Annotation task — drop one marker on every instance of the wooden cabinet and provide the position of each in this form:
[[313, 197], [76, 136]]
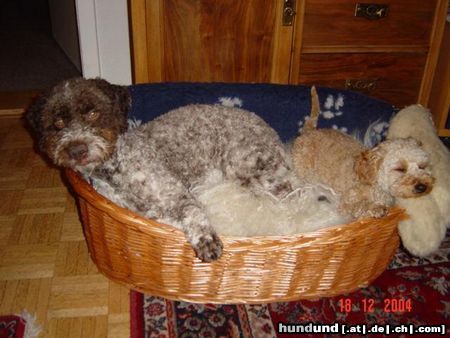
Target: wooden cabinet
[[204, 40], [387, 49], [383, 52]]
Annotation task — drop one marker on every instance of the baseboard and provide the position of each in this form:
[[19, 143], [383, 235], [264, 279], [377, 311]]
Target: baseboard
[[11, 113], [16, 100]]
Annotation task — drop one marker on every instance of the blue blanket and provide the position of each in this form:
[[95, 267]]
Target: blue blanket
[[284, 107]]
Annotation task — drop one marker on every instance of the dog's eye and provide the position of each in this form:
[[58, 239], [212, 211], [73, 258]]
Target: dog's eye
[[422, 166], [93, 115], [400, 170], [59, 123]]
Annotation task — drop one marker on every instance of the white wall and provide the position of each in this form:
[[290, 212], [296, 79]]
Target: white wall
[[104, 39], [64, 28]]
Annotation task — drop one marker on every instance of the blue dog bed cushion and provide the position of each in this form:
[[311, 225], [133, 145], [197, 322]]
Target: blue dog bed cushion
[[284, 107]]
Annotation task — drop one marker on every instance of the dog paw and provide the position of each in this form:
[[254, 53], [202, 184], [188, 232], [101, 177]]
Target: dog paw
[[208, 248]]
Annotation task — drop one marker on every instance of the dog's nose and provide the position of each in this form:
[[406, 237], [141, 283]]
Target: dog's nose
[[323, 198], [78, 151], [420, 188]]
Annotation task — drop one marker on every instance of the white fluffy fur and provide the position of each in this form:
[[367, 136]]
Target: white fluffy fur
[[429, 215], [235, 211]]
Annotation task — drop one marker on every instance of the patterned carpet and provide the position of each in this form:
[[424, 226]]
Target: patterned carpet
[[12, 327], [411, 295]]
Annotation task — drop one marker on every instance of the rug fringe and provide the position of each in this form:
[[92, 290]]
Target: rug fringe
[[32, 328]]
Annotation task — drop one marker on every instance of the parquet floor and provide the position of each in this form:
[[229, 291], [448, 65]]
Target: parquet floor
[[45, 267]]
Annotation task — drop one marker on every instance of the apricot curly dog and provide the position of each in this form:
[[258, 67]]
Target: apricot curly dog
[[366, 180]]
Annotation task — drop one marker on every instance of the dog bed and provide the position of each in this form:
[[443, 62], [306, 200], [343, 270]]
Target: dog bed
[[156, 259]]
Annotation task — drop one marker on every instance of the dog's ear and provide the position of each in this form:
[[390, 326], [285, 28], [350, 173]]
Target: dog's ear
[[118, 94], [33, 113], [367, 165]]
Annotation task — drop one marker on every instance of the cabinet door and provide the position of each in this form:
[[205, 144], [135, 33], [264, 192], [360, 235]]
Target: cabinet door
[[205, 40]]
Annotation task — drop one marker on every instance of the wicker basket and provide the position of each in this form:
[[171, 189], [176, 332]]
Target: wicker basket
[[155, 258]]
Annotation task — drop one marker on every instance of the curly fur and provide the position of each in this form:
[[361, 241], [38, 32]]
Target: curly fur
[[429, 216], [153, 168], [367, 180], [79, 112]]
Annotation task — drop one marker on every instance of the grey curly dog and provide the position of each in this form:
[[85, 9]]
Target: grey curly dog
[[152, 168]]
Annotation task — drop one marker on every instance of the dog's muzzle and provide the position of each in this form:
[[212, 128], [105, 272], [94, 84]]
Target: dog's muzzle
[[78, 151]]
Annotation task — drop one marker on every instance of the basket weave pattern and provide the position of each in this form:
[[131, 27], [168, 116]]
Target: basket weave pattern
[[155, 258]]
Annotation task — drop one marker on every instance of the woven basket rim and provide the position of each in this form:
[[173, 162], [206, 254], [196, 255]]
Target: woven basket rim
[[84, 189]]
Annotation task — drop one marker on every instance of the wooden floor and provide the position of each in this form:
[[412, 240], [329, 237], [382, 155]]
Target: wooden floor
[[45, 267]]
